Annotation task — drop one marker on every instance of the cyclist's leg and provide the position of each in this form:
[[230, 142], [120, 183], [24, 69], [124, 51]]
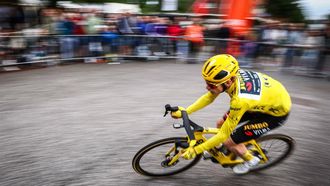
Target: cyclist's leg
[[257, 125], [238, 148], [254, 128]]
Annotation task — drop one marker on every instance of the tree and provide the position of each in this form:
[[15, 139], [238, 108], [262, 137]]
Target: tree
[[6, 2], [289, 10]]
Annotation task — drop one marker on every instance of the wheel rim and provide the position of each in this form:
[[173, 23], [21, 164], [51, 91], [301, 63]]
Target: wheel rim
[[152, 160], [275, 149]]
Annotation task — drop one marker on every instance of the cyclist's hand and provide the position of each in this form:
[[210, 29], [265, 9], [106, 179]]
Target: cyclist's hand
[[190, 152], [177, 114], [220, 122]]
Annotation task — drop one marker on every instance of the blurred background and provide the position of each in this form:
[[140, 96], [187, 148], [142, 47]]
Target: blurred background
[[83, 85], [289, 35]]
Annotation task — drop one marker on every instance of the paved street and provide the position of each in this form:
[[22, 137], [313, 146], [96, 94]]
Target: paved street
[[82, 124]]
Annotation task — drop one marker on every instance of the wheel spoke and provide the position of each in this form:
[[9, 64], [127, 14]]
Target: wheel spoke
[[152, 161], [276, 147]]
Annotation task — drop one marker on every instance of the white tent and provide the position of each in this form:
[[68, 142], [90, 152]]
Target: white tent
[[32, 2], [121, 8], [69, 4]]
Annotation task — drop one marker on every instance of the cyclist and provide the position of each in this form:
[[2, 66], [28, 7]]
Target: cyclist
[[258, 104]]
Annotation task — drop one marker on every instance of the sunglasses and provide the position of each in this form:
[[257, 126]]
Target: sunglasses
[[212, 86]]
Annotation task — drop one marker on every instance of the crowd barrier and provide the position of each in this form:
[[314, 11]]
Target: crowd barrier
[[28, 51]]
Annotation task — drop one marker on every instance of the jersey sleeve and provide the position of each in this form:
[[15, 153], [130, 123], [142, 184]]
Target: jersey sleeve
[[237, 109], [201, 102]]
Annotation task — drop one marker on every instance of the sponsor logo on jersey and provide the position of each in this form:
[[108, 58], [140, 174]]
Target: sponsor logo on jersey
[[261, 131], [248, 133], [258, 107], [256, 126], [249, 85], [235, 109]]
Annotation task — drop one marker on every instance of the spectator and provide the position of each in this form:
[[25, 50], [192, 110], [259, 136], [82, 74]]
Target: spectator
[[295, 37], [174, 30], [154, 44], [126, 26], [325, 51], [79, 29], [310, 55], [194, 34], [141, 24], [224, 33], [94, 21], [110, 38], [248, 50], [161, 30], [64, 26]]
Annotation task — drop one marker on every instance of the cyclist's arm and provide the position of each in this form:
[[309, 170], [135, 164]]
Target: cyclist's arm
[[201, 102], [235, 114]]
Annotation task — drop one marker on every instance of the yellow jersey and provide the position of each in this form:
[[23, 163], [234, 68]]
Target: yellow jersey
[[251, 92], [257, 92]]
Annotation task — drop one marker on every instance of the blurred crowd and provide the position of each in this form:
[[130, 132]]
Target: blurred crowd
[[75, 34]]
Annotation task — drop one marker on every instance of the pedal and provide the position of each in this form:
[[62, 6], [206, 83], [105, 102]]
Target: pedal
[[207, 156], [256, 154], [224, 150]]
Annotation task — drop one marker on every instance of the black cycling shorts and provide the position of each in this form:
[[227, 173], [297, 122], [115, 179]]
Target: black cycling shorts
[[253, 125]]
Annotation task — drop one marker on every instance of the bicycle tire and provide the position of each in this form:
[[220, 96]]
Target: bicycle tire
[[287, 140], [137, 164]]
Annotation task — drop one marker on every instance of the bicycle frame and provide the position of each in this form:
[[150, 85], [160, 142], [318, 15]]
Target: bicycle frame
[[228, 160], [199, 136], [223, 159]]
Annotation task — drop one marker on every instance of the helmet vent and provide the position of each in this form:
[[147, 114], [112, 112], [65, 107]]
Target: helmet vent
[[221, 75], [210, 70], [207, 64]]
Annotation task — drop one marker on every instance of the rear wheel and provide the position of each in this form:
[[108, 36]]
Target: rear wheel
[[276, 147], [151, 160]]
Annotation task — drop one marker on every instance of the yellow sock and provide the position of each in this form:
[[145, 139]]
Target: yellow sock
[[247, 156]]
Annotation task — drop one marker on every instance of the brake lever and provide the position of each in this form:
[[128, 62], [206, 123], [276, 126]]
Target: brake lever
[[167, 109], [166, 112]]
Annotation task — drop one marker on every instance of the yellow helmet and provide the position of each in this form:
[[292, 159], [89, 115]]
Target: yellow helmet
[[220, 68]]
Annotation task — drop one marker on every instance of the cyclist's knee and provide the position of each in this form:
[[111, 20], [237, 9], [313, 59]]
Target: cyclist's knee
[[220, 122]]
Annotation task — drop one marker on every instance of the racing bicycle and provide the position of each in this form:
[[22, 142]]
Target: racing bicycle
[[163, 157]]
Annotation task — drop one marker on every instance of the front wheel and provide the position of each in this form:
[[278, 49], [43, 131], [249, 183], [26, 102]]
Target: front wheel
[[276, 147], [151, 160]]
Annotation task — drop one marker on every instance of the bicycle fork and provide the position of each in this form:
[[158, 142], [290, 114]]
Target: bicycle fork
[[172, 160]]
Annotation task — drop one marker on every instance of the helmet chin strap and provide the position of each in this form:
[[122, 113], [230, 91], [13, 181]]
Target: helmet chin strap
[[224, 87]]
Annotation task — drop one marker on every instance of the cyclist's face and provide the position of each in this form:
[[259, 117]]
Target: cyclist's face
[[214, 88]]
